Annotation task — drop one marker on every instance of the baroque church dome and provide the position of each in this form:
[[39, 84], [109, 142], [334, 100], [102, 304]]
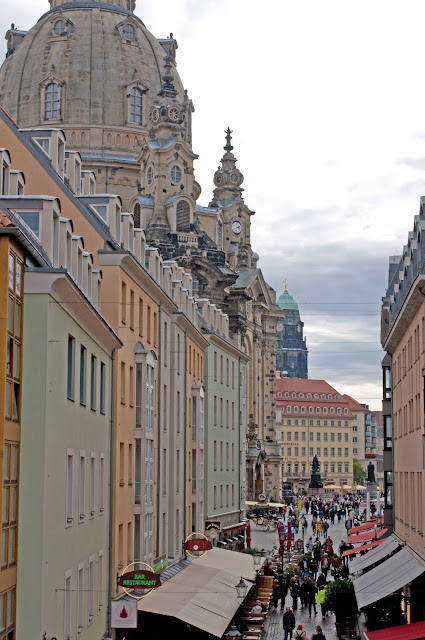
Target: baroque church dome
[[92, 69]]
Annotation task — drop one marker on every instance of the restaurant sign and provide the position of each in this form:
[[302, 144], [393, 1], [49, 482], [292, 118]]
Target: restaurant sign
[[213, 525], [197, 544], [123, 614], [139, 580]]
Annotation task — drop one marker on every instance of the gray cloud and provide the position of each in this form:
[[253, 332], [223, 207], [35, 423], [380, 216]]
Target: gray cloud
[[416, 163]]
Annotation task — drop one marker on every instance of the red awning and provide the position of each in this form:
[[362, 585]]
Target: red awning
[[367, 536], [415, 631], [366, 526], [365, 547], [235, 527]]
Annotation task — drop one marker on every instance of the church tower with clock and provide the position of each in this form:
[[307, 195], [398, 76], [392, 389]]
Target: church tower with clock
[[292, 353]]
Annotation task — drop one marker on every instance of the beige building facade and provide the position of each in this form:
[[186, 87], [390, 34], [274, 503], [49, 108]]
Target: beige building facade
[[313, 419]]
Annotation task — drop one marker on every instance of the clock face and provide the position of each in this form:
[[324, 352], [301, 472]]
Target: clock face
[[234, 177], [236, 227], [155, 115], [279, 326], [173, 113]]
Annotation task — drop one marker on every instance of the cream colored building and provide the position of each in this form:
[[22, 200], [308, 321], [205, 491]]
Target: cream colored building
[[313, 419]]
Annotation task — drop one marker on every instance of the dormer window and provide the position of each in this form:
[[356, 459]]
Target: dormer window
[[136, 104], [129, 32], [32, 220], [52, 101], [60, 28]]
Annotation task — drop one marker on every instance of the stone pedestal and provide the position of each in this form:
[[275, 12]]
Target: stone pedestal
[[371, 488], [316, 482]]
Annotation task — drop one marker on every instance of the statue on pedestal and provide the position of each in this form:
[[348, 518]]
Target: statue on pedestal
[[316, 482], [371, 473], [316, 466]]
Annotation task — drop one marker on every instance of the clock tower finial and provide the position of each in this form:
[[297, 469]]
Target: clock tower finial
[[228, 146]]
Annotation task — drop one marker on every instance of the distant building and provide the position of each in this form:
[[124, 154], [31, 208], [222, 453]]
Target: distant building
[[291, 353], [364, 432], [314, 419]]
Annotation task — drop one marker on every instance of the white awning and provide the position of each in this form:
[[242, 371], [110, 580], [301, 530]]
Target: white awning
[[388, 546], [203, 594], [238, 564], [386, 578]]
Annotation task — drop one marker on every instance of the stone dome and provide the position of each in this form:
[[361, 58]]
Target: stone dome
[[95, 53]]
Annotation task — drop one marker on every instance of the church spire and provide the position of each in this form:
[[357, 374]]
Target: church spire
[[227, 179]]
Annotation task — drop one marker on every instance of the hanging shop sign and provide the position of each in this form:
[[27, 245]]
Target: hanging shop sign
[[213, 525], [196, 545], [141, 578], [123, 614]]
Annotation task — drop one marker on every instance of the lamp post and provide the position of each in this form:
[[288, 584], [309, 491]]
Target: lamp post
[[241, 590], [282, 538], [257, 564]]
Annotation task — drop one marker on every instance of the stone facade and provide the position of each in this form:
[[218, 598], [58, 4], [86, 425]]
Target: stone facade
[[126, 112]]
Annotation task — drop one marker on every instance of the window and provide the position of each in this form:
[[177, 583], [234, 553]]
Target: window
[[388, 489], [303, 436], [346, 452], [318, 451], [346, 467], [51, 101], [183, 217], [325, 452], [339, 452], [83, 375], [131, 309], [136, 215], [332, 437], [339, 437], [332, 452], [387, 382], [13, 340], [136, 105], [69, 487], [67, 605], [311, 436], [149, 176], [101, 482], [100, 582], [92, 483], [60, 28], [129, 32], [303, 451], [176, 174], [7, 607], [80, 593], [82, 487], [388, 433], [345, 437], [318, 436], [311, 451], [102, 403], [71, 368], [93, 383], [9, 505], [339, 467], [91, 590]]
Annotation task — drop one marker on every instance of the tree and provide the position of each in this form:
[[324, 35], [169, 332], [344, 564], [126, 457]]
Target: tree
[[341, 599], [359, 472]]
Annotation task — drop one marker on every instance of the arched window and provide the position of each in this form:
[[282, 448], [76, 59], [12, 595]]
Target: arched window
[[136, 103], [129, 32], [183, 217], [52, 101], [60, 28], [136, 215]]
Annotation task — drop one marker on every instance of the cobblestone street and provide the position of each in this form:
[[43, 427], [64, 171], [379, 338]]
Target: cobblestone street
[[273, 628]]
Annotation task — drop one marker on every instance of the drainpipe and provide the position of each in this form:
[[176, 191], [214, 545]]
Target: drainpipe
[[111, 491], [158, 395]]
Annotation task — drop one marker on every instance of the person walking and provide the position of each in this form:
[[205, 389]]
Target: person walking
[[320, 599], [311, 598], [288, 622], [276, 593], [295, 590], [300, 634], [319, 635]]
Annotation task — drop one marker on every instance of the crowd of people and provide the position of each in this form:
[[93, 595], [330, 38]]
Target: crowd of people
[[318, 563]]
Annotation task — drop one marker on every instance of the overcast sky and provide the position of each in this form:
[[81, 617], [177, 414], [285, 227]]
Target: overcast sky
[[326, 102]]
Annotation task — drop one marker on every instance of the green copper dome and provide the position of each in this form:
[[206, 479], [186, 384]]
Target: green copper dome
[[286, 301]]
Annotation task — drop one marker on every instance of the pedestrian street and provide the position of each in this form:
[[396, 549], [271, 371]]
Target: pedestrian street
[[265, 540]]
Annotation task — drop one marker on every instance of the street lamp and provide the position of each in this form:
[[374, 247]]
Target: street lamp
[[257, 564], [241, 590], [233, 633]]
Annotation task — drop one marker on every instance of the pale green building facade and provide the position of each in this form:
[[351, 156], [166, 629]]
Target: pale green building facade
[[64, 508]]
